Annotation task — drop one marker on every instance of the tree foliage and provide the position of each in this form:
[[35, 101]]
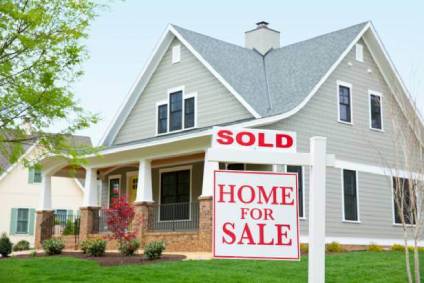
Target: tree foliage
[[41, 55]]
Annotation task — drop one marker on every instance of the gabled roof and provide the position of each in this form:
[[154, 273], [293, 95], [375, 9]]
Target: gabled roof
[[278, 81], [273, 86]]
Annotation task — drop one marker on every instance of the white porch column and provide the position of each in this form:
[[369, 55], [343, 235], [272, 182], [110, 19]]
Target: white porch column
[[46, 193], [316, 270], [90, 188], [144, 185], [208, 176]]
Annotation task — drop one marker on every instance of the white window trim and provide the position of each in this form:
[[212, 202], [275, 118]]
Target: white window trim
[[130, 174], [16, 228], [303, 189], [357, 53], [110, 177], [163, 102], [176, 54], [344, 220], [175, 169], [348, 85], [375, 93]]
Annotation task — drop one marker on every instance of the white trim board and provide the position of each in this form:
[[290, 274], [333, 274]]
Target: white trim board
[[362, 241]]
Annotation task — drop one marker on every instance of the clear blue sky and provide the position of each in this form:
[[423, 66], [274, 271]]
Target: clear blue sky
[[123, 37]]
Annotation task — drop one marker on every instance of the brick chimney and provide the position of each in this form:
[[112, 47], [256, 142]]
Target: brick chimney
[[262, 38]]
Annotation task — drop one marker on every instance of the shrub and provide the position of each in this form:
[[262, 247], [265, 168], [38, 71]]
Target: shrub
[[398, 248], [5, 245], [96, 247], [84, 245], [128, 248], [334, 247], [374, 248], [33, 254], [153, 250], [69, 227], [304, 248], [53, 246], [22, 245]]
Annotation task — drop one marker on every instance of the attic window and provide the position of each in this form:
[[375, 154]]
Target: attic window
[[359, 53], [176, 54]]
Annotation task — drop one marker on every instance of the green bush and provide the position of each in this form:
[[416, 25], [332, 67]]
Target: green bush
[[96, 247], [374, 248], [334, 247], [22, 245], [128, 248], [153, 250], [69, 228], [84, 245], [304, 248], [398, 248], [5, 245], [53, 246]]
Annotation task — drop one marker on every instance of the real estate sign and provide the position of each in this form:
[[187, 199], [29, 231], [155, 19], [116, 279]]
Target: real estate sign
[[256, 215]]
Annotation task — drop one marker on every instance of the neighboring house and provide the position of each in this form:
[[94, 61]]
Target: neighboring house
[[20, 190], [339, 85]]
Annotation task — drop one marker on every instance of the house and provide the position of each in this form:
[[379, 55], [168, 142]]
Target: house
[[340, 85], [20, 190]]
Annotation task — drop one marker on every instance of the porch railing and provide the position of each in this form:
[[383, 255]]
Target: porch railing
[[100, 222], [174, 217]]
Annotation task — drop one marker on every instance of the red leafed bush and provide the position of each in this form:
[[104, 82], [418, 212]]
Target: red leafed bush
[[119, 218]]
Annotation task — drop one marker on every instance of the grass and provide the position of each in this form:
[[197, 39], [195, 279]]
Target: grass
[[344, 267]]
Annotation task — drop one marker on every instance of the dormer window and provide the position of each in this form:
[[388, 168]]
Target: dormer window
[[177, 113]]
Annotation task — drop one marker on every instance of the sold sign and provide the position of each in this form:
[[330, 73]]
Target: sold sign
[[256, 215], [254, 139]]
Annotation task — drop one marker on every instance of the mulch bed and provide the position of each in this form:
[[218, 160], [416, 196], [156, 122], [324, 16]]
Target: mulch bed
[[111, 259]]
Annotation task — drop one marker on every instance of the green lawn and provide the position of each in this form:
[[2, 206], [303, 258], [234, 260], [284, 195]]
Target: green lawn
[[346, 267]]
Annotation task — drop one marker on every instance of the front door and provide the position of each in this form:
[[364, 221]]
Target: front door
[[132, 188]]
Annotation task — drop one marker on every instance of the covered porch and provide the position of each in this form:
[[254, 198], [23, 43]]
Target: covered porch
[[163, 180]]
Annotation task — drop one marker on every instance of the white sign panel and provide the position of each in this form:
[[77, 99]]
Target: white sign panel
[[256, 215], [254, 139]]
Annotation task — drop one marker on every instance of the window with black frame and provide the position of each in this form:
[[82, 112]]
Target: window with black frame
[[345, 114], [299, 171], [350, 196], [175, 110], [402, 189], [162, 118], [175, 195], [375, 112], [189, 112]]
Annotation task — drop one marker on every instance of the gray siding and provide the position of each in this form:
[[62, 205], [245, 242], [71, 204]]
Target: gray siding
[[215, 103], [354, 143], [357, 142]]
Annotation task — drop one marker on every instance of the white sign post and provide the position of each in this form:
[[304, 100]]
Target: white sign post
[[276, 147], [256, 215]]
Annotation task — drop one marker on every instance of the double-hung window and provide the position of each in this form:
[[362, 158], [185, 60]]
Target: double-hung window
[[345, 102], [299, 171], [178, 113], [376, 111], [34, 175], [350, 196], [22, 222], [403, 201]]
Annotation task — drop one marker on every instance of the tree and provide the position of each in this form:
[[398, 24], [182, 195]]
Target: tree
[[120, 217], [405, 166], [41, 53]]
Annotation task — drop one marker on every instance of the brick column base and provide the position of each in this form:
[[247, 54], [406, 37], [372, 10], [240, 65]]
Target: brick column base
[[44, 223], [88, 220], [205, 223], [141, 220]]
